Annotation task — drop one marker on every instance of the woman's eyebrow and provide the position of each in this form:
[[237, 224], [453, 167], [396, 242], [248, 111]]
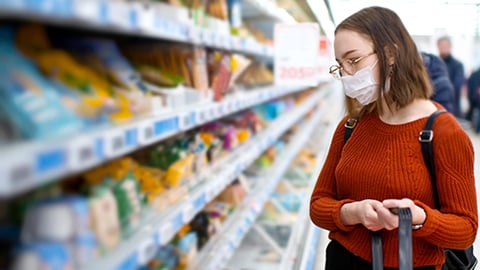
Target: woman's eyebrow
[[346, 54]]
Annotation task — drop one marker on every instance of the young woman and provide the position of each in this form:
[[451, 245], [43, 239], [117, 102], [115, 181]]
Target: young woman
[[381, 165]]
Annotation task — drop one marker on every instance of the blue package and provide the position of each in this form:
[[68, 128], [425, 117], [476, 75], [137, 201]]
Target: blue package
[[28, 99], [51, 255], [109, 53]]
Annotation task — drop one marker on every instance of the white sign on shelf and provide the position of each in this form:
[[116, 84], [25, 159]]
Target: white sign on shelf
[[296, 53]]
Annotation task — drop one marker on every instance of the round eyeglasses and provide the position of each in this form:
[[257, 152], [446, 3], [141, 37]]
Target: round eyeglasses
[[349, 66]]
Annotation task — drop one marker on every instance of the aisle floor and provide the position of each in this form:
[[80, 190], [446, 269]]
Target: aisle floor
[[476, 143]]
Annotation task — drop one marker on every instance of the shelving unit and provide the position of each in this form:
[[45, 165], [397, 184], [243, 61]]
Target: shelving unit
[[299, 251], [25, 166], [158, 230], [151, 20], [32, 164], [220, 248]]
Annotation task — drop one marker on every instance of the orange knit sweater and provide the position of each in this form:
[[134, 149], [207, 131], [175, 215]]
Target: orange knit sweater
[[382, 161]]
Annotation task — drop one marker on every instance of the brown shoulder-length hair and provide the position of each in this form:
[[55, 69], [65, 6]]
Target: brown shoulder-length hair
[[407, 75]]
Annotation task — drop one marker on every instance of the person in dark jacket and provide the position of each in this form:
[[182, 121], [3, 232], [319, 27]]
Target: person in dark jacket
[[455, 71], [473, 85], [442, 87]]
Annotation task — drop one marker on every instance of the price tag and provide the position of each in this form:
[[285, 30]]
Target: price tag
[[82, 153], [208, 37], [166, 126], [146, 21], [146, 133], [202, 115], [165, 233], [115, 143], [50, 160], [188, 213], [221, 109], [131, 137], [212, 112], [146, 251], [19, 172], [200, 202], [194, 34], [120, 14], [60, 8], [296, 53], [187, 120]]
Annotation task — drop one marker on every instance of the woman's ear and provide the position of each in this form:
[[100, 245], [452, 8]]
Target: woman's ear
[[390, 53]]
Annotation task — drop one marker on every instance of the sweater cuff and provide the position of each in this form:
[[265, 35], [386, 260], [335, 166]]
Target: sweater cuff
[[336, 216], [430, 225]]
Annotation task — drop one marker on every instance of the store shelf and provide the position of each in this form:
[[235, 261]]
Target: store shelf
[[131, 18], [289, 253], [157, 230], [221, 247], [25, 166], [266, 8], [302, 243]]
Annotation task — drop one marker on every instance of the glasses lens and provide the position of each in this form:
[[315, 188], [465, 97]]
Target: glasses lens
[[335, 71], [348, 67]]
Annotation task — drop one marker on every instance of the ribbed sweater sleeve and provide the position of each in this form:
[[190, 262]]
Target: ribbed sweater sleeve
[[324, 207], [455, 225]]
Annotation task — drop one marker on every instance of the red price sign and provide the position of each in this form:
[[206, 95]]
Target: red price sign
[[297, 73], [296, 54]]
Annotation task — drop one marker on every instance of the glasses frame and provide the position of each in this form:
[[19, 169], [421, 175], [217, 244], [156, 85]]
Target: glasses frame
[[335, 70]]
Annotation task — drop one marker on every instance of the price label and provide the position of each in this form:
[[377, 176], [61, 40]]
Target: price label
[[82, 153], [115, 143], [131, 137], [212, 112], [194, 34], [146, 251], [50, 160], [146, 21], [296, 73], [187, 120], [165, 233], [202, 116], [146, 133], [200, 202], [296, 53], [119, 14], [19, 174]]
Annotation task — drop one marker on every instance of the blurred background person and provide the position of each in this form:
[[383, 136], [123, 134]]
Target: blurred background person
[[455, 71], [443, 91]]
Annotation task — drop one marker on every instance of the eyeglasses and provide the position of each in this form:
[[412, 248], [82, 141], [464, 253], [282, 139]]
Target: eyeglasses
[[349, 66]]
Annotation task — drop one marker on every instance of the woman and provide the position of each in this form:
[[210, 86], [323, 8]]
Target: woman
[[381, 166]]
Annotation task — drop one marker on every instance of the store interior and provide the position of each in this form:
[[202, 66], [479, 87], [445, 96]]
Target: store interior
[[175, 134]]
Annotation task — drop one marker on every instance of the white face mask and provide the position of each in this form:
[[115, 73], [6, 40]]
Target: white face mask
[[361, 85]]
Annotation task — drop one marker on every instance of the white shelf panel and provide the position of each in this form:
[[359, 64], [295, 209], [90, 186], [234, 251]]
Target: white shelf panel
[[159, 229], [303, 225], [217, 253], [25, 166], [131, 18], [266, 8], [295, 250]]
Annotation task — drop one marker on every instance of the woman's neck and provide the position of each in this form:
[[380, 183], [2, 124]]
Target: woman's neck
[[417, 109]]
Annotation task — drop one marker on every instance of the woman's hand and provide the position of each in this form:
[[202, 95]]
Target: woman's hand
[[418, 214], [362, 212], [376, 215]]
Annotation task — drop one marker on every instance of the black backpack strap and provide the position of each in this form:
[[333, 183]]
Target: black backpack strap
[[349, 126], [426, 137]]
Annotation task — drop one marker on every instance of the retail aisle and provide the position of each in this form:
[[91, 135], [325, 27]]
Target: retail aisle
[[322, 244]]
